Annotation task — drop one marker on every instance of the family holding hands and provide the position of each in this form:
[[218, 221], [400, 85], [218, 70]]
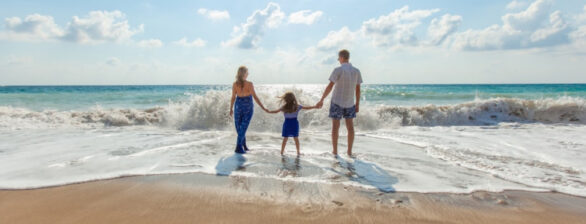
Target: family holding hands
[[345, 81]]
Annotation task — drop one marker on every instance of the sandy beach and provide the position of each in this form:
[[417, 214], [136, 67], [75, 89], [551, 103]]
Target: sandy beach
[[201, 198], [424, 112]]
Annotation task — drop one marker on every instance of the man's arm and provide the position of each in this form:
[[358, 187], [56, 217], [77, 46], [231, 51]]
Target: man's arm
[[326, 93], [357, 97]]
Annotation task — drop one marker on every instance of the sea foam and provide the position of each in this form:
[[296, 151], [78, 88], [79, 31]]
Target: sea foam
[[492, 143], [210, 112]]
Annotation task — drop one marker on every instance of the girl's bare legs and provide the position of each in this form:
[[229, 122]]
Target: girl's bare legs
[[297, 144], [283, 145]]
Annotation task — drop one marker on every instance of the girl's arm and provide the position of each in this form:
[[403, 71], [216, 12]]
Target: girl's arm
[[308, 107], [232, 99], [256, 98]]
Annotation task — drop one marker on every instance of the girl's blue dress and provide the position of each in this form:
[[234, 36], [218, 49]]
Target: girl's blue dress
[[291, 125]]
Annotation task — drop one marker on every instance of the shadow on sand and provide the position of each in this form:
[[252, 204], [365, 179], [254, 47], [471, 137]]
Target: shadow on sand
[[367, 173], [226, 165]]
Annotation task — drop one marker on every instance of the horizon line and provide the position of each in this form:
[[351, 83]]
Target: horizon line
[[530, 83]]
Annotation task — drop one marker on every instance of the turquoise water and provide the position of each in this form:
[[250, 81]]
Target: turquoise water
[[83, 97], [482, 137], [141, 97], [451, 94]]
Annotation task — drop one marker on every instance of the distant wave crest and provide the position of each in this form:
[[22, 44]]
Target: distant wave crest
[[210, 111], [490, 111]]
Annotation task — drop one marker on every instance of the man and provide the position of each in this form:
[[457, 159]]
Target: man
[[345, 80]]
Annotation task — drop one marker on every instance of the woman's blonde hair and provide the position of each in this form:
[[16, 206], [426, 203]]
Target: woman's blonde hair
[[289, 102], [242, 70]]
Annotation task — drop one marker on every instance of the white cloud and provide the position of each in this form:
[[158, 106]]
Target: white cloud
[[96, 27], [195, 43], [557, 24], [336, 40], [514, 5], [330, 60], [490, 38], [440, 29], [113, 61], [34, 27], [214, 14], [530, 19], [100, 26], [304, 17], [397, 28], [536, 26], [248, 35], [533, 27], [151, 43], [578, 36]]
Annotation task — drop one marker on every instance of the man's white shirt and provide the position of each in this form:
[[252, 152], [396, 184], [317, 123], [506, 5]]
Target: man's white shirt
[[345, 77]]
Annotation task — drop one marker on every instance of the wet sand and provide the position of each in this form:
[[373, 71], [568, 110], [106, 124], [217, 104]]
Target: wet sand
[[200, 198]]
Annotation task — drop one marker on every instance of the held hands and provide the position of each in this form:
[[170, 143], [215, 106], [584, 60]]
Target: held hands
[[319, 104], [265, 109], [271, 111]]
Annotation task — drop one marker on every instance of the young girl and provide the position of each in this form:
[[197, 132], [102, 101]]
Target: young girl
[[290, 109]]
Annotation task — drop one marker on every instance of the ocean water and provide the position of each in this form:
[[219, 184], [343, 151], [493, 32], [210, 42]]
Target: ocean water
[[420, 138]]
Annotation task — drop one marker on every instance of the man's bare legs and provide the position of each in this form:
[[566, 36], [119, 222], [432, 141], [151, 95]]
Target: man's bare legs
[[335, 131], [283, 145], [350, 128]]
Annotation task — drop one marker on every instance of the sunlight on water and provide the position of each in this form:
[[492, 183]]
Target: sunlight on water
[[423, 138]]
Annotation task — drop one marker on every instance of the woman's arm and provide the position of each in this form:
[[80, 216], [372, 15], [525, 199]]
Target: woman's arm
[[256, 98], [273, 111], [232, 99], [308, 108]]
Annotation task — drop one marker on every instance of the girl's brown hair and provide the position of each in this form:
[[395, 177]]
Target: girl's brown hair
[[289, 102], [242, 70]]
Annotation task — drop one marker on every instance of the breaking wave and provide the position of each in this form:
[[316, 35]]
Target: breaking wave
[[210, 111]]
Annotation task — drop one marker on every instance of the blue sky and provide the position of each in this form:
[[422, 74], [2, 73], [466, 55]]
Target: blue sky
[[203, 42]]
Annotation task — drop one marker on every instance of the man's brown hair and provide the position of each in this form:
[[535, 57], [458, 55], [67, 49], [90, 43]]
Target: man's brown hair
[[344, 54]]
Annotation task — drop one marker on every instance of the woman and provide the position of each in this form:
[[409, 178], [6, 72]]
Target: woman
[[242, 94]]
